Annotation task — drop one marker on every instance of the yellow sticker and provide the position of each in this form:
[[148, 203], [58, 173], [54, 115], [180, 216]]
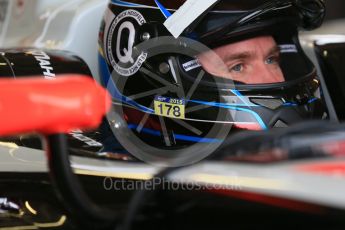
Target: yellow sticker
[[169, 107]]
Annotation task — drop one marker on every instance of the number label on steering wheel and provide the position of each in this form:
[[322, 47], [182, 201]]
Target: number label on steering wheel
[[169, 107]]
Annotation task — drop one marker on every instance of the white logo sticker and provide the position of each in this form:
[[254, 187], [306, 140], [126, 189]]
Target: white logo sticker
[[288, 48], [120, 43], [44, 62], [188, 66]]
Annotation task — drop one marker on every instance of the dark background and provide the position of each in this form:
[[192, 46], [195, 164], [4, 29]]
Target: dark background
[[335, 9]]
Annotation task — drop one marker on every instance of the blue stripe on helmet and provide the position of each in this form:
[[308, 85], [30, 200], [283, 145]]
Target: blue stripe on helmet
[[227, 106], [164, 11], [243, 99], [177, 136], [127, 4]]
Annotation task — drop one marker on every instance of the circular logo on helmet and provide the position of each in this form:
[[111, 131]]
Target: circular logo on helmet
[[120, 43]]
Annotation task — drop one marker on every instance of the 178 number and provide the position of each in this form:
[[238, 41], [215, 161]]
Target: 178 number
[[171, 110]]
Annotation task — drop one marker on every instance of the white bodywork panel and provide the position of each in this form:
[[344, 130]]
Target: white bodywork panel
[[71, 25], [283, 179]]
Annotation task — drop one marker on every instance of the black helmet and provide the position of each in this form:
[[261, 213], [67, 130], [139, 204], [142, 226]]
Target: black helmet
[[166, 96]]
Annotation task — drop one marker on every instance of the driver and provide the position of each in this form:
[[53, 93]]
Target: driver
[[262, 77]]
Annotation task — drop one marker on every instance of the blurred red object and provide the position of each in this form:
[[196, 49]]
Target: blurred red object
[[336, 169], [51, 106]]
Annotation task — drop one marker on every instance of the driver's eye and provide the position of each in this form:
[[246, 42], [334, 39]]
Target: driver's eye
[[272, 60], [237, 68]]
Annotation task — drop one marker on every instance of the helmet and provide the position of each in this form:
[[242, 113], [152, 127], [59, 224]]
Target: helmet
[[169, 99]]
